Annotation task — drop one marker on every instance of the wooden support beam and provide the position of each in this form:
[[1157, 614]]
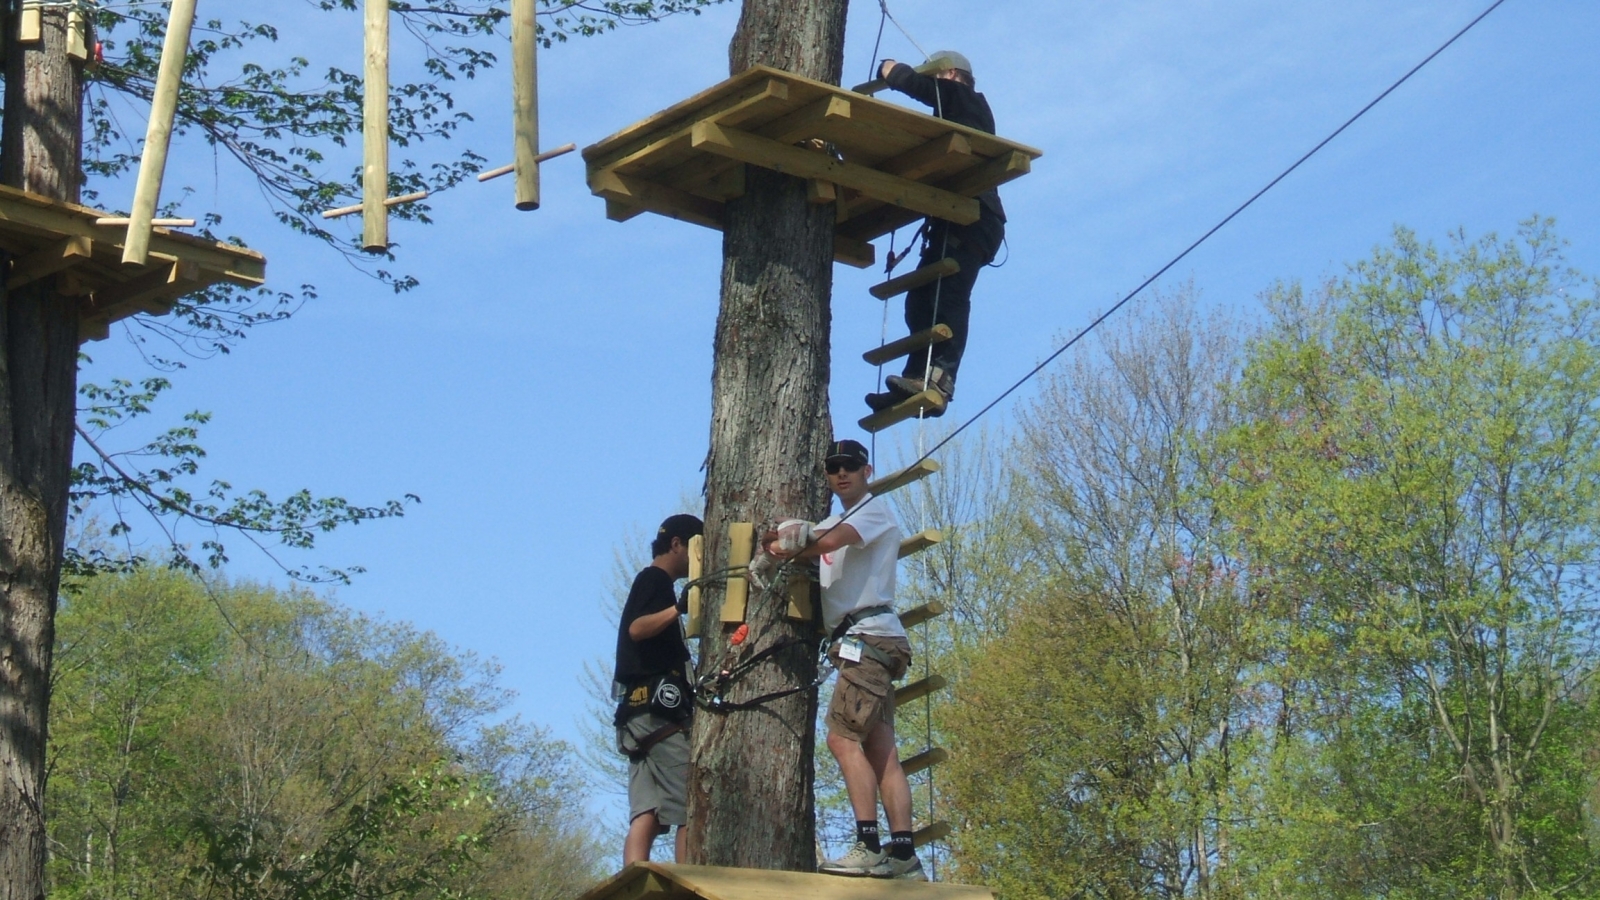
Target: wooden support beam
[[938, 156], [525, 101], [544, 157], [697, 550], [938, 831], [619, 211], [44, 262], [896, 480], [866, 223], [361, 207], [802, 163], [927, 401], [906, 345], [152, 292], [124, 221], [808, 121], [916, 690], [852, 252], [915, 278], [821, 192], [920, 541], [677, 145], [741, 545], [657, 198], [375, 130], [927, 759], [919, 614], [158, 133]]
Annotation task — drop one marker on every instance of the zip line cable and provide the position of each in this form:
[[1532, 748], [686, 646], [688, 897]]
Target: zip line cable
[[1204, 237]]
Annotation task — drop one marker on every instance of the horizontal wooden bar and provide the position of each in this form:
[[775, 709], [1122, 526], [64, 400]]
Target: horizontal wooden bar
[[915, 278], [392, 201], [726, 102], [867, 222], [906, 345], [928, 400], [657, 198], [927, 759], [920, 541], [150, 292], [916, 690], [47, 261], [160, 223], [896, 480], [941, 155], [543, 157], [938, 831], [801, 163], [919, 614]]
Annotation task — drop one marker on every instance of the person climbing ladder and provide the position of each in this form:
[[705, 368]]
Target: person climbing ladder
[[948, 300]]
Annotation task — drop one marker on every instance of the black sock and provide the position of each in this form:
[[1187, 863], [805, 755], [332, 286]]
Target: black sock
[[867, 833], [900, 845]]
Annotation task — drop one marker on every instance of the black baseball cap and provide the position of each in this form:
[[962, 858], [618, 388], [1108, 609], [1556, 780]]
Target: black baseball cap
[[681, 526], [847, 449]]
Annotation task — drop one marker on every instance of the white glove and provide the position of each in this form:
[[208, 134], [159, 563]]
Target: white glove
[[794, 535], [762, 568]]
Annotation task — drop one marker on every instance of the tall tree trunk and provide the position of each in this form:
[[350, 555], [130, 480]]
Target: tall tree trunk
[[39, 152], [750, 791]]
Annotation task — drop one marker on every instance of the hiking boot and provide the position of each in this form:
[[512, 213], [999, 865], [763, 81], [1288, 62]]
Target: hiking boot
[[903, 869], [881, 402], [858, 862], [941, 382]]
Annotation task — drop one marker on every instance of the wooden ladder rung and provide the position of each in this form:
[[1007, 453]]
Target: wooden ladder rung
[[906, 345], [920, 541], [898, 480], [916, 690], [938, 831], [917, 615], [915, 279], [925, 759], [929, 400]]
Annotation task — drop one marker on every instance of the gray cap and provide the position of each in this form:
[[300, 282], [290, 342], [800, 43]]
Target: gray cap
[[947, 59]]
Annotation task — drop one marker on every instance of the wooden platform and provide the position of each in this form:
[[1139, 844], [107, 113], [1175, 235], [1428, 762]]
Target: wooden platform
[[51, 239], [894, 165], [661, 881]]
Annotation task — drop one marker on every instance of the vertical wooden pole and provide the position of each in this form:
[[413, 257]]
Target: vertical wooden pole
[[158, 135], [525, 100], [375, 131]]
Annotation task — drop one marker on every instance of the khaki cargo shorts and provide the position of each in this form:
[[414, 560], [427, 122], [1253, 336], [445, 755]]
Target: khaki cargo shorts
[[864, 694], [658, 783]]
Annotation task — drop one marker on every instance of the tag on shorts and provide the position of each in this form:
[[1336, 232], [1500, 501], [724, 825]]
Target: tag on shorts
[[850, 650]]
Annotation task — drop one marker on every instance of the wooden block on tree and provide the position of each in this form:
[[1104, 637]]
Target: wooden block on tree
[[30, 24], [769, 154], [896, 480], [907, 345], [938, 831], [915, 279], [697, 563], [927, 401], [741, 546], [802, 595], [925, 760], [53, 258], [821, 192], [919, 614], [916, 690], [920, 541]]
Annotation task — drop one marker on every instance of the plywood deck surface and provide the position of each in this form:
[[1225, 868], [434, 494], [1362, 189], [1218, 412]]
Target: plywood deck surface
[[889, 165], [658, 881], [53, 239]]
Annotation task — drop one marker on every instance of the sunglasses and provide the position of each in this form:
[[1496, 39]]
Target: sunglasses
[[847, 465]]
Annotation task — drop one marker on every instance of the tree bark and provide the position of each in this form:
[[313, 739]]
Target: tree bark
[[39, 152], [751, 800]]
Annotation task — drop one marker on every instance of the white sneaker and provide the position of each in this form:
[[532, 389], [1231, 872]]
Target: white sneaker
[[903, 869], [858, 862]]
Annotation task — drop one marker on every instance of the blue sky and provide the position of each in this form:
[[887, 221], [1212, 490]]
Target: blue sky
[[546, 390]]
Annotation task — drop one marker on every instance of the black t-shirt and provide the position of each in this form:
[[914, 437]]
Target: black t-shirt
[[651, 593]]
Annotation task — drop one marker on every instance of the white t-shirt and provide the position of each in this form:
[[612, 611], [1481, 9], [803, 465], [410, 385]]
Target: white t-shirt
[[861, 575]]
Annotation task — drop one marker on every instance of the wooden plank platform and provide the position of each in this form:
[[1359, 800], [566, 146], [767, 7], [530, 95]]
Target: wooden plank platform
[[881, 164], [661, 881], [52, 239]]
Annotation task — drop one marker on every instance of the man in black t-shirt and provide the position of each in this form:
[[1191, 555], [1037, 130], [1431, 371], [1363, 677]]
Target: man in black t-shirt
[[953, 94], [652, 687]]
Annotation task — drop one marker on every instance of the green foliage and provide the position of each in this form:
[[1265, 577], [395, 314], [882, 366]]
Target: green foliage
[[240, 742]]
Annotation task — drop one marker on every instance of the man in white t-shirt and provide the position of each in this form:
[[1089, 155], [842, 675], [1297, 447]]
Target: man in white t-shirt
[[857, 553]]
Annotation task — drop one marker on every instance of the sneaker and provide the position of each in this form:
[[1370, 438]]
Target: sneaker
[[903, 869], [858, 862]]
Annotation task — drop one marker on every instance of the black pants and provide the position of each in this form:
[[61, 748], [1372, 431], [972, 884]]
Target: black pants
[[948, 301]]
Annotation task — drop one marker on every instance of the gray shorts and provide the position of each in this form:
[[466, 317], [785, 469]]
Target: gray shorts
[[658, 783]]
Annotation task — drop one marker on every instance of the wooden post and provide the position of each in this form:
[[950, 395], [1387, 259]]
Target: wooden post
[[375, 131], [525, 101], [158, 134]]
